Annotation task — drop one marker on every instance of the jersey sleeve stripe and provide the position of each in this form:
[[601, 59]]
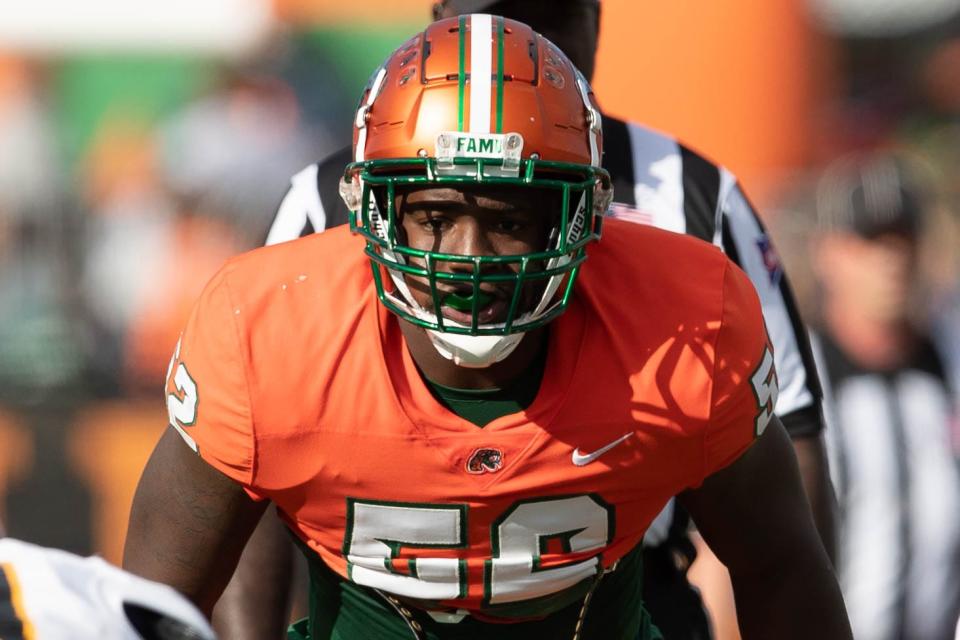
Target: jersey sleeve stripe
[[14, 624]]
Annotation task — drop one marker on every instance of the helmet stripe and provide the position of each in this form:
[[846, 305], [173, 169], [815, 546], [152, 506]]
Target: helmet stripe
[[499, 74], [462, 75], [481, 42], [361, 117]]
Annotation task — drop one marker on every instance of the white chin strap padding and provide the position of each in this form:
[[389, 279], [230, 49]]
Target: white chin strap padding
[[474, 352]]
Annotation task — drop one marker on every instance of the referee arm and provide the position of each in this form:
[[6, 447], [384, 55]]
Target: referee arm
[[805, 429], [754, 516]]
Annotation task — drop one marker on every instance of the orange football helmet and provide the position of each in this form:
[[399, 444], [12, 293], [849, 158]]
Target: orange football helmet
[[477, 99]]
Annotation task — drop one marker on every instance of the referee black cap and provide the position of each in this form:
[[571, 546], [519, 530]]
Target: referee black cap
[[498, 7], [871, 194], [572, 25]]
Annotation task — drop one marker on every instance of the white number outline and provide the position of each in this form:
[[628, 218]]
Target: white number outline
[[490, 597], [766, 389], [600, 525], [357, 572], [182, 412]]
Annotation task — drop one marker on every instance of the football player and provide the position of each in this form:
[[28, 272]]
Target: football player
[[468, 412], [48, 594], [656, 181]]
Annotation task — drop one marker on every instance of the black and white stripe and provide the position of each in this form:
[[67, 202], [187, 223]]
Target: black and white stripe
[[898, 484], [312, 203]]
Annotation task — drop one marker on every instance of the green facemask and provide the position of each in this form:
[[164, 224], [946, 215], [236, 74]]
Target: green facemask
[[584, 191]]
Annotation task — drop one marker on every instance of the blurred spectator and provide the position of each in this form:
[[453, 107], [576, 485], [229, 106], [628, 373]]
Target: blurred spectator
[[127, 239], [889, 405], [939, 143], [147, 252], [230, 154], [196, 246], [171, 203], [38, 341], [27, 162]]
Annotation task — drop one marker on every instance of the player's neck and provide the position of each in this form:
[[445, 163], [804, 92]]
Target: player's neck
[[443, 371]]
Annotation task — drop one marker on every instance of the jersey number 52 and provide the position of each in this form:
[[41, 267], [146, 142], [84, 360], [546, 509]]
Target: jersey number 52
[[765, 390], [183, 399]]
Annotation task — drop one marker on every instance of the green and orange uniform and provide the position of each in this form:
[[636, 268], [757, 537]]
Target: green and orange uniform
[[293, 380]]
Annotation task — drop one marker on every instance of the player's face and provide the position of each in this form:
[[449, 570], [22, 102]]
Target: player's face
[[472, 221]]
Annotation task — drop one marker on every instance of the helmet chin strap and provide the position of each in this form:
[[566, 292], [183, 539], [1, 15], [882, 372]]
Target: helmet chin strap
[[474, 352]]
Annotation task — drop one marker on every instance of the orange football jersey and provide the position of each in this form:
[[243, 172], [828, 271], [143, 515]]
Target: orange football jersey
[[292, 379]]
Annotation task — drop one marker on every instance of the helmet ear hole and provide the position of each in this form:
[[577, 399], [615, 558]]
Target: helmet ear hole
[[351, 192]]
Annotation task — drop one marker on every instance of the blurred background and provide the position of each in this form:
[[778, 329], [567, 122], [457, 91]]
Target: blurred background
[[141, 144]]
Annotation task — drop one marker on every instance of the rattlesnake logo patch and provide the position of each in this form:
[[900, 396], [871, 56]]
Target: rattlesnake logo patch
[[484, 460]]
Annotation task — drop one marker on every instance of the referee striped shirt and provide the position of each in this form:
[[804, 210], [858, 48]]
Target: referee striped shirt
[[898, 484]]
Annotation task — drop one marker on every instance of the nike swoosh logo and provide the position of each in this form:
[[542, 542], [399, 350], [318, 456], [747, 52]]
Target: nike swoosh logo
[[581, 459]]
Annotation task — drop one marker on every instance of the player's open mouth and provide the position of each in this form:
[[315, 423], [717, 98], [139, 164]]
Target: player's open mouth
[[458, 307]]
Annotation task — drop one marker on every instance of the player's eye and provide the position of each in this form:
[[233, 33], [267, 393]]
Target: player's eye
[[434, 223], [510, 225], [431, 223]]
